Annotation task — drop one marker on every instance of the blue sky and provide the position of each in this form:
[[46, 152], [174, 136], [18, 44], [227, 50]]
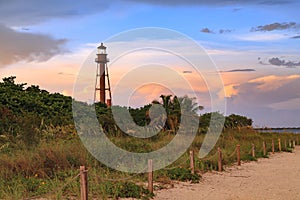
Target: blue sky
[[255, 45]]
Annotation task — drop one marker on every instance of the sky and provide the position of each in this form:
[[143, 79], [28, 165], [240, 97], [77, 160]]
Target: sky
[[253, 45]]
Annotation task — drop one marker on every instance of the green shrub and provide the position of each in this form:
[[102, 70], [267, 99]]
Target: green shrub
[[182, 174], [125, 190]]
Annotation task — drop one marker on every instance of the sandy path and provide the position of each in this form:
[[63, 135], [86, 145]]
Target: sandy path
[[275, 178]]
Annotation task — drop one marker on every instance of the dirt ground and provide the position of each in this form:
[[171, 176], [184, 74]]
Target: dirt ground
[[276, 178]]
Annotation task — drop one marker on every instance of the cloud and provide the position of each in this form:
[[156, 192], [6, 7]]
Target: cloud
[[295, 37], [187, 72], [265, 98], [214, 2], [267, 90], [18, 12], [221, 31], [276, 26], [272, 82], [28, 47], [206, 30], [231, 90], [239, 70], [278, 62]]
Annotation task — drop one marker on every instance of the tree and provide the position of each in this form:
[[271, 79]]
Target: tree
[[235, 121], [210, 120]]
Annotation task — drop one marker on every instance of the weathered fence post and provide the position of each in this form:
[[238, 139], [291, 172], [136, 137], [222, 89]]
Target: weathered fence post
[[238, 152], [253, 150], [290, 143], [220, 159], [83, 183], [150, 175], [192, 162], [264, 148], [273, 147], [279, 144]]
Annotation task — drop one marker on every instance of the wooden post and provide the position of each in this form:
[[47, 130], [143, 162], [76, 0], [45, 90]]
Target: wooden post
[[192, 162], [238, 152], [273, 148], [290, 144], [253, 150], [83, 183], [264, 148], [279, 144], [150, 175], [220, 159]]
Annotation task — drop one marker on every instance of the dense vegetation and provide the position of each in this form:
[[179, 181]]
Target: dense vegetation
[[40, 150], [27, 114]]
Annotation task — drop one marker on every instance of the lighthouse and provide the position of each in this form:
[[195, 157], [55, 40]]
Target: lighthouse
[[102, 86]]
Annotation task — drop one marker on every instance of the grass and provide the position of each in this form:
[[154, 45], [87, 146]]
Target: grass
[[27, 172]]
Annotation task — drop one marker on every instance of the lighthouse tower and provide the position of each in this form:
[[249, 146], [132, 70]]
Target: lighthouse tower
[[102, 86]]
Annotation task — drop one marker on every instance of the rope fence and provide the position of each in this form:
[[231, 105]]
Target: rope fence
[[83, 171]]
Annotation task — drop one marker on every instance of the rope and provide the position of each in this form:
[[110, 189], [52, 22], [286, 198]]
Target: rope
[[262, 149], [232, 154], [122, 179], [209, 158], [57, 189], [169, 168]]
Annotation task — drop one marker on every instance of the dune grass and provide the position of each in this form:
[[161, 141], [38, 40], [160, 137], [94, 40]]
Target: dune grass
[[52, 165]]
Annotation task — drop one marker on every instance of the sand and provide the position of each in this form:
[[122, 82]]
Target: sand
[[274, 178]]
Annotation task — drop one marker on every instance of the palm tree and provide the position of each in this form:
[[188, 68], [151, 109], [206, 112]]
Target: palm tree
[[176, 107]]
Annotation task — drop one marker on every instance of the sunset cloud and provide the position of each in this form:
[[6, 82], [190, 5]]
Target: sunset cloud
[[27, 47], [231, 90], [238, 70], [272, 82], [147, 93], [267, 96], [280, 62]]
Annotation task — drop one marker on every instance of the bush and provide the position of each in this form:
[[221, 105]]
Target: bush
[[125, 190], [182, 174]]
